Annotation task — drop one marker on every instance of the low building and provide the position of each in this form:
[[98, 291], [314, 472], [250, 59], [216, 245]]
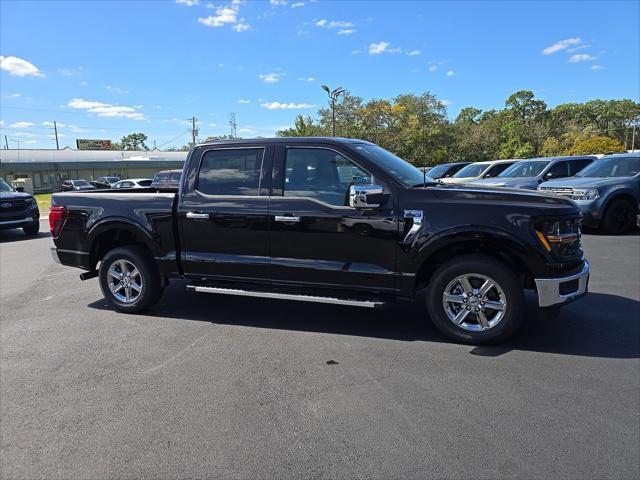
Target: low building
[[48, 168]]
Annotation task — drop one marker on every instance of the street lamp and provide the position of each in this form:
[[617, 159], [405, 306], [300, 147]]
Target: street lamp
[[333, 96]]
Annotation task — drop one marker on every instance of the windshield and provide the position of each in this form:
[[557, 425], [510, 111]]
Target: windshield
[[402, 171], [5, 187], [144, 183], [612, 167], [81, 183], [439, 170], [471, 170], [525, 169], [113, 179]]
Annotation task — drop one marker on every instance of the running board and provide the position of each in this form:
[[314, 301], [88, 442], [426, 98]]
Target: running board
[[286, 296]]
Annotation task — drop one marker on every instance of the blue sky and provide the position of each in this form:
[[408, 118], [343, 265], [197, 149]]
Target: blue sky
[[105, 69]]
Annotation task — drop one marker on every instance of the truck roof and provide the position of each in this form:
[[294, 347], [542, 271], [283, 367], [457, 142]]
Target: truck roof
[[289, 140]]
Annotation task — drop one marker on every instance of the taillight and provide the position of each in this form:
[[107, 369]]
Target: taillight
[[57, 218]]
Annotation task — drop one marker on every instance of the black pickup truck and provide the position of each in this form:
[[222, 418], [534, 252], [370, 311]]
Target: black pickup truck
[[328, 220]]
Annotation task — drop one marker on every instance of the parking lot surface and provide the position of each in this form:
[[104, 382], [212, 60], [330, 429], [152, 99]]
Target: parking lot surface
[[212, 386]]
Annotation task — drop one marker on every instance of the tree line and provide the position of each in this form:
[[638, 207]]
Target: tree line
[[417, 128]]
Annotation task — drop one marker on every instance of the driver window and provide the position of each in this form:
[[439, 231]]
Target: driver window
[[558, 170], [321, 174]]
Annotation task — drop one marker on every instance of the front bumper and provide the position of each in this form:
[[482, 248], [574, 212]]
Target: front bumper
[[17, 222], [561, 290]]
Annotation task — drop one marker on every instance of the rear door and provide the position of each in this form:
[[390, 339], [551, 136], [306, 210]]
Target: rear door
[[223, 214], [317, 239]]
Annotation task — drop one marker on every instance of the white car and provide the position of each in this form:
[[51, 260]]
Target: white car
[[133, 183], [479, 170]]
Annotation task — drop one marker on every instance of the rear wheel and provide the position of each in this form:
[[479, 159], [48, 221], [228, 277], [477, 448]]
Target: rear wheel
[[619, 217], [475, 299], [33, 229], [129, 279]]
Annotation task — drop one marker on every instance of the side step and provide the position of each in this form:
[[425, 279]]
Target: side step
[[287, 296]]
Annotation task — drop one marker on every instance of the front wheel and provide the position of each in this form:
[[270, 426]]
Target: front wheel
[[33, 229], [129, 279], [475, 299], [619, 217]]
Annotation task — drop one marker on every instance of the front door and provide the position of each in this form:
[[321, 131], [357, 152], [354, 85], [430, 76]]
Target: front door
[[223, 215], [317, 239]]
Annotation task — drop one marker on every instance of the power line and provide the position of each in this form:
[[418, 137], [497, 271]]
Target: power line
[[173, 139]]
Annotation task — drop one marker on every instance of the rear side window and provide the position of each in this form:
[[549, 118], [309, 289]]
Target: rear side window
[[497, 170], [576, 165], [144, 183], [558, 170], [231, 172]]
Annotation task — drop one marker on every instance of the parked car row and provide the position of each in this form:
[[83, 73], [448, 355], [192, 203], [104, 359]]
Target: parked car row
[[163, 180], [607, 190]]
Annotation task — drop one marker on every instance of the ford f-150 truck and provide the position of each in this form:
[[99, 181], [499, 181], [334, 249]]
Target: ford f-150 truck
[[328, 220]]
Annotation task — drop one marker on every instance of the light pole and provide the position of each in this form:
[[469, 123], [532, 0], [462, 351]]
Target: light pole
[[333, 96]]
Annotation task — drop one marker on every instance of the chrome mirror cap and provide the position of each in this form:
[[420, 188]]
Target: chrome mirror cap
[[358, 195]]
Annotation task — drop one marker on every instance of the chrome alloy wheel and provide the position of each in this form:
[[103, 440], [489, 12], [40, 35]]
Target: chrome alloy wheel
[[125, 281], [474, 302]]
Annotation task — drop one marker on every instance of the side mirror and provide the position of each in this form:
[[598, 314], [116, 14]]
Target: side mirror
[[19, 189], [366, 196]]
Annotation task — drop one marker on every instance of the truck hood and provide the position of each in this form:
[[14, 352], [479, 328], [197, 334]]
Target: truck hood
[[14, 196], [511, 197], [577, 182], [530, 183]]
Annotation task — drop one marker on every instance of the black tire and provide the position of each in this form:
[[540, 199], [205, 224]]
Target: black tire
[[32, 230], [501, 275], [619, 217], [149, 279]]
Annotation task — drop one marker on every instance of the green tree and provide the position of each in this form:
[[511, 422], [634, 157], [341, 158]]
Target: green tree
[[303, 127], [133, 141], [597, 144]]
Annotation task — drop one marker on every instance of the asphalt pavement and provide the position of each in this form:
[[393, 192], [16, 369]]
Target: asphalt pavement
[[209, 386]]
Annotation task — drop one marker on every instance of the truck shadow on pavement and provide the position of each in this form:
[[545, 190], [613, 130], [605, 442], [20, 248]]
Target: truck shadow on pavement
[[17, 235], [600, 325]]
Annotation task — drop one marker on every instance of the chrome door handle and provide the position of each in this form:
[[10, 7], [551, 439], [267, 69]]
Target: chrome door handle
[[287, 219], [198, 215]]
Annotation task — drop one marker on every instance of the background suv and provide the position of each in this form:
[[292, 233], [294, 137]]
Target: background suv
[[607, 192], [479, 170], [18, 210], [531, 173]]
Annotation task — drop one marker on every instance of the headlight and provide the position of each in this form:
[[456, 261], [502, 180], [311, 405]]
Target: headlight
[[559, 236], [33, 203], [585, 194]]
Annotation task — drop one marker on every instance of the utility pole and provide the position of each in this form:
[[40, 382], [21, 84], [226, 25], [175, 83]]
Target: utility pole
[[154, 144], [6, 143], [633, 138], [55, 129], [194, 130], [232, 124]]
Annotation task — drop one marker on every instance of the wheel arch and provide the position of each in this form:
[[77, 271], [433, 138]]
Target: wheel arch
[[114, 233], [503, 248]]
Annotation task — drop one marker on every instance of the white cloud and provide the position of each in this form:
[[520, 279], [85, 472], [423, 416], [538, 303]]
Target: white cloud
[[581, 57], [580, 47], [356, 52], [450, 73], [105, 109], [270, 77], [413, 53], [242, 100], [24, 134], [12, 95], [22, 125], [306, 79], [277, 3], [226, 15], [286, 106], [212, 124], [297, 5], [382, 47], [433, 68], [344, 28], [29, 142], [596, 67], [446, 103], [561, 45], [83, 83], [70, 72], [50, 124], [188, 3], [111, 88], [414, 70], [241, 27], [19, 67]]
